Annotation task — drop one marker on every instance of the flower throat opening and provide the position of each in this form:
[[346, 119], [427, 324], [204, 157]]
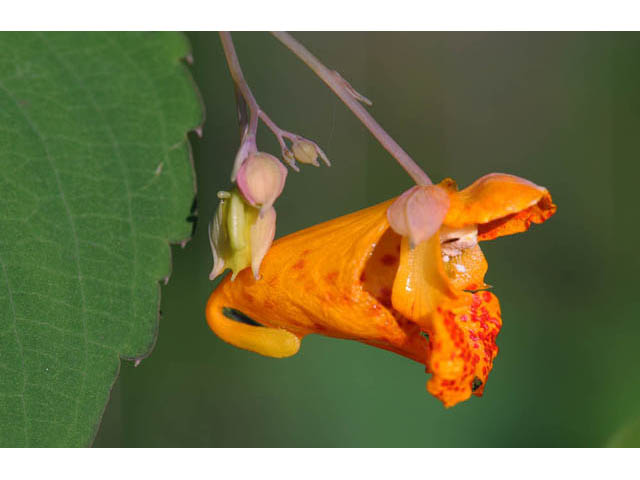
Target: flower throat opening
[[462, 259]]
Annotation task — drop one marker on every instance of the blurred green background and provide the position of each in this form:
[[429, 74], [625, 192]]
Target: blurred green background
[[561, 109]]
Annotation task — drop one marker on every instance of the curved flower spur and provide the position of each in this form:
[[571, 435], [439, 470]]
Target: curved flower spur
[[406, 275]]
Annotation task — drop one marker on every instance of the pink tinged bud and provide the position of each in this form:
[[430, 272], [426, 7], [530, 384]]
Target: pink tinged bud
[[262, 233], [419, 212], [261, 179]]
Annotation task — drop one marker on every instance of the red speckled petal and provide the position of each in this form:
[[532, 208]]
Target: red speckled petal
[[463, 346]]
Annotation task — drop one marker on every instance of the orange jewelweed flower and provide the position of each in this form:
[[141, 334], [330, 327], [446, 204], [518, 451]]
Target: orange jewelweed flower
[[419, 293]]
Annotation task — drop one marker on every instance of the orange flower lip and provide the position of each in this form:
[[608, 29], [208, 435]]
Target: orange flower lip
[[354, 277], [500, 204]]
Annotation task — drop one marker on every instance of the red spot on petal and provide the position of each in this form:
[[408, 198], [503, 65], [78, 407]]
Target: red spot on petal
[[385, 297], [389, 260]]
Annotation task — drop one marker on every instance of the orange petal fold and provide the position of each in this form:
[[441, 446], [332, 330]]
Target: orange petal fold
[[500, 204]]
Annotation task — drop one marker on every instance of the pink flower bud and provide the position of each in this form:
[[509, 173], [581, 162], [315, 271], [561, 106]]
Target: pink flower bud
[[419, 212], [261, 179]]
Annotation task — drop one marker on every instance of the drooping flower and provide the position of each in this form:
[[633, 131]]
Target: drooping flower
[[406, 275]]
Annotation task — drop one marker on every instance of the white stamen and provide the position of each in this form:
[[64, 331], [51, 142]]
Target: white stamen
[[454, 241]]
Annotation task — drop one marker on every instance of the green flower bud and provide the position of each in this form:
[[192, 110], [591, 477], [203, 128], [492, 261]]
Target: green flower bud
[[239, 234]]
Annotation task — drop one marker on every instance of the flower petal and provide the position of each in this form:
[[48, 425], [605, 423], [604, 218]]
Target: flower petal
[[218, 239], [466, 271], [500, 204], [463, 347], [421, 283]]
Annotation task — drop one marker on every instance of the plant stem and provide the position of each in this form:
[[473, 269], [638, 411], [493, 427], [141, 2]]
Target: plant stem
[[238, 79], [249, 129], [282, 134], [351, 98]]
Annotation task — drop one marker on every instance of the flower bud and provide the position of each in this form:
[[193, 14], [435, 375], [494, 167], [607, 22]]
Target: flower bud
[[419, 212], [305, 152], [240, 235], [261, 179]]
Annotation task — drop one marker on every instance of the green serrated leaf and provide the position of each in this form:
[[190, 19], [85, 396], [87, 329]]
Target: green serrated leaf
[[95, 181]]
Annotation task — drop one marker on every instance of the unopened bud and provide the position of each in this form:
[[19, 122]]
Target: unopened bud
[[419, 212], [261, 179], [305, 152]]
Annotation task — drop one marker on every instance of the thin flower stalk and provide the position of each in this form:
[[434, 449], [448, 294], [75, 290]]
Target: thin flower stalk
[[248, 101], [352, 99]]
